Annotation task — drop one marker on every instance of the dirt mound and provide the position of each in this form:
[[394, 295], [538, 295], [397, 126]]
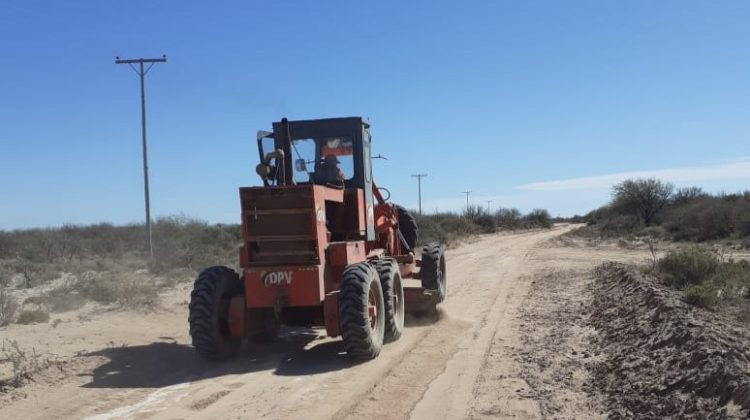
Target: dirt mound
[[663, 357]]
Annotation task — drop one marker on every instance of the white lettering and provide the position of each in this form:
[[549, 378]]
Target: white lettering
[[277, 278]]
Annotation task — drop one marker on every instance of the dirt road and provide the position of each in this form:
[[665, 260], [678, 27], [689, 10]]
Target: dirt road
[[476, 361]]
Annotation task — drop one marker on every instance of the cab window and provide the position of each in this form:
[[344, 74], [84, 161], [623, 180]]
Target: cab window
[[342, 149]]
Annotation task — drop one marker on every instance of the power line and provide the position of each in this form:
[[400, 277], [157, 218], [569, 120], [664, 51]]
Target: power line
[[142, 74], [419, 186]]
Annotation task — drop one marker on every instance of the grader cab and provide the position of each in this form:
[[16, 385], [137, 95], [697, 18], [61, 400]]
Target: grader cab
[[322, 247]]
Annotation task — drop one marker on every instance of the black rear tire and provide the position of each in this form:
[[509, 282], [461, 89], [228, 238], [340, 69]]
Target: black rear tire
[[360, 287], [433, 269], [209, 310], [407, 224], [393, 298]]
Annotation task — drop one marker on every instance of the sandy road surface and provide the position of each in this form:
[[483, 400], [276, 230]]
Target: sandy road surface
[[466, 365]]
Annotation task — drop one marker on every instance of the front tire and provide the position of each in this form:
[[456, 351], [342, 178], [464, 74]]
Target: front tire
[[393, 298], [361, 311], [433, 269], [209, 310], [407, 224]]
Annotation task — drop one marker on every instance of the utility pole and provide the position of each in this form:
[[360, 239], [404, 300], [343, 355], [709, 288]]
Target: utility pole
[[142, 73], [419, 186], [467, 198], [488, 206]]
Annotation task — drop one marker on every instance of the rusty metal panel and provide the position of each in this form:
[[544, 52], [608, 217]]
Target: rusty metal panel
[[236, 318], [280, 287], [342, 254], [279, 226]]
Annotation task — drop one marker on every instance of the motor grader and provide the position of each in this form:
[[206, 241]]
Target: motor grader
[[321, 247]]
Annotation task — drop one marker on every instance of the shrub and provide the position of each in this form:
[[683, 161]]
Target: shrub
[[138, 293], [486, 223], [620, 225], [34, 273], [473, 212], [444, 227], [654, 233], [180, 242], [6, 275], [688, 215], [688, 194], [33, 316], [35, 300], [99, 287], [124, 288], [707, 219], [538, 218], [64, 299], [508, 218], [429, 230], [703, 295], [688, 265], [8, 307], [732, 279], [24, 364]]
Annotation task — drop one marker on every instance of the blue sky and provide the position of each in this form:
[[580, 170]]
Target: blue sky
[[528, 104]]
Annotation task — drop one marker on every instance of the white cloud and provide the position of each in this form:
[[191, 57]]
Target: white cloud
[[730, 170]]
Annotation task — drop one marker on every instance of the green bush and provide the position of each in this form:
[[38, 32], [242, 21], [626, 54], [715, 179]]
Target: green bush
[[449, 227], [444, 227], [688, 265], [703, 295], [706, 219], [732, 279], [687, 215]]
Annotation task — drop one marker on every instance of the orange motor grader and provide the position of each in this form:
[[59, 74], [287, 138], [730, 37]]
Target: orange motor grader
[[322, 246]]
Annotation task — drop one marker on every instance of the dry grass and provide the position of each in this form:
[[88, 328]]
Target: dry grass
[[65, 268], [23, 364], [33, 316], [8, 308]]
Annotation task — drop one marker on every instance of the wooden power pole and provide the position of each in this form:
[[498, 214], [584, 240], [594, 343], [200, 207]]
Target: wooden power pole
[[142, 73]]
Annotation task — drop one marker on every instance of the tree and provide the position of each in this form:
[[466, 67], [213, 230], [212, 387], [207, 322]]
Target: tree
[[688, 194], [539, 218], [644, 198]]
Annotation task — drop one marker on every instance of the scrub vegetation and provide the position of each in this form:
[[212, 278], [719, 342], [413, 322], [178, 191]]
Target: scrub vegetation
[[450, 227], [62, 269], [650, 207]]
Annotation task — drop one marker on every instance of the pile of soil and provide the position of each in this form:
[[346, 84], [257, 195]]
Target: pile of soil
[[664, 358]]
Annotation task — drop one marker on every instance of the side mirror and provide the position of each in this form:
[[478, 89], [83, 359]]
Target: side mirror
[[263, 170], [300, 165]]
